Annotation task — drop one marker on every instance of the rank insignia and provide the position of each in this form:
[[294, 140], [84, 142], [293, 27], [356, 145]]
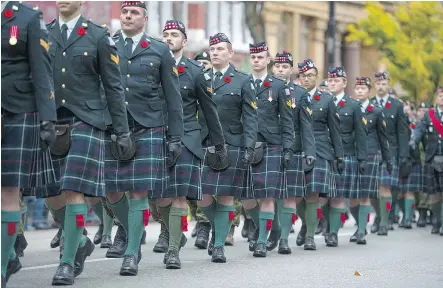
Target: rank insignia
[[174, 69], [51, 96], [309, 111], [115, 59], [254, 105], [209, 89], [364, 120], [289, 103], [44, 44]]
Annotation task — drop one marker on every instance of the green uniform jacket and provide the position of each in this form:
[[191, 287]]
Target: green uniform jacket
[[433, 143], [377, 138]]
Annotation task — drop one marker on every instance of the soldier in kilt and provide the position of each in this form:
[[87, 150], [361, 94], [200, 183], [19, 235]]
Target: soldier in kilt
[[360, 204], [274, 145], [27, 118], [185, 181], [236, 107], [431, 128], [355, 140], [397, 132], [327, 148]]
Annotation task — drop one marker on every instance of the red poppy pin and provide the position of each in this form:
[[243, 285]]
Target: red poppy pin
[[266, 84], [8, 13], [144, 44], [341, 103], [227, 79], [388, 105], [180, 69], [369, 108], [412, 126], [81, 31], [317, 97]]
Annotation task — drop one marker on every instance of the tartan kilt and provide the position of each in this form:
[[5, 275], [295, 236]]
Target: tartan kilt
[[347, 183], [433, 180], [414, 182], [24, 164], [235, 181], [146, 171], [268, 175], [389, 179], [369, 181], [321, 178], [184, 178], [295, 178]]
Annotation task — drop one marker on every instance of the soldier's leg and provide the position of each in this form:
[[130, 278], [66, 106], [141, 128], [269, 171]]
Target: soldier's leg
[[354, 207], [252, 209], [409, 202], [20, 242], [288, 214], [97, 207], [312, 217], [224, 217], [336, 218], [301, 212], [391, 217], [422, 207], [399, 206], [118, 204], [238, 209], [266, 215], [193, 207], [363, 219], [436, 207], [204, 228], [385, 201], [275, 234]]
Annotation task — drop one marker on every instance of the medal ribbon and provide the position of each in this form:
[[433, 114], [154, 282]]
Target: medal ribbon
[[436, 122], [13, 31]]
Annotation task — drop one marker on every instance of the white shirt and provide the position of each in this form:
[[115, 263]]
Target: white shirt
[[365, 104], [4, 3], [135, 39], [339, 97], [223, 71], [385, 99], [177, 60], [261, 78], [71, 24], [312, 92]]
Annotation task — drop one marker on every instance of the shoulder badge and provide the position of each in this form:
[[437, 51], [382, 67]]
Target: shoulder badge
[[364, 121], [309, 111], [254, 105]]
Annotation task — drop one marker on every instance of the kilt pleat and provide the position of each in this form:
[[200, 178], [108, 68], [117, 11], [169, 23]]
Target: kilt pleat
[[369, 181], [433, 180], [347, 183], [321, 178], [414, 182], [268, 175], [146, 172], [184, 178], [235, 181], [24, 164], [389, 179], [295, 179]]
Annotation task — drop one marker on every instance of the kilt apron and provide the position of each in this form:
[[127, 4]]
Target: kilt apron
[[433, 180], [347, 183], [369, 181], [322, 178], [295, 178], [389, 179], [414, 182]]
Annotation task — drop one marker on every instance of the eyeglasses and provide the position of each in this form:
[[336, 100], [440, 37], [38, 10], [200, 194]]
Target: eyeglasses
[[308, 76]]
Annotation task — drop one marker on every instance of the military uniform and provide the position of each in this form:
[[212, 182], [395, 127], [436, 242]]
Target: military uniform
[[27, 99]]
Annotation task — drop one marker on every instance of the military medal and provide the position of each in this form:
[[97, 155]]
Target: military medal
[[270, 96], [13, 33], [293, 103]]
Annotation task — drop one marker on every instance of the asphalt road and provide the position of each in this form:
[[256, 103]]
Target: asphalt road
[[406, 258]]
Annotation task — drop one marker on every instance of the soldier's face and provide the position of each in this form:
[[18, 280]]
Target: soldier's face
[[440, 99], [206, 63], [308, 79], [323, 88], [221, 54], [132, 20], [282, 71], [259, 61], [361, 92], [68, 7], [175, 39], [382, 87], [421, 113], [336, 85]]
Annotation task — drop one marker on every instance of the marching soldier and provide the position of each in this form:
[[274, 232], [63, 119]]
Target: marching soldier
[[274, 146], [360, 206], [397, 131], [83, 55], [431, 128], [28, 116], [354, 138], [146, 65], [321, 179], [236, 106], [185, 175]]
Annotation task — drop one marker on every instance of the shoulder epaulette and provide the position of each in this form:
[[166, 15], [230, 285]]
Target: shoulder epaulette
[[195, 63], [243, 73], [34, 8], [104, 28], [51, 23], [277, 79], [156, 39]]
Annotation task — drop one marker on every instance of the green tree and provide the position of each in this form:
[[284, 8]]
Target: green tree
[[410, 41]]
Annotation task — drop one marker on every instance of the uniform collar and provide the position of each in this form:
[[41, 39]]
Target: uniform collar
[[385, 99], [339, 97], [365, 104], [71, 23], [135, 39], [4, 4], [312, 92], [223, 71], [261, 78], [177, 60]]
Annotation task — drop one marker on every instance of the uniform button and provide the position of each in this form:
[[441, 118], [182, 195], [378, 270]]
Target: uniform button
[[129, 62], [86, 53], [64, 53], [63, 85], [256, 97], [150, 64], [126, 103], [127, 89], [346, 113], [184, 87], [63, 70], [439, 141], [63, 101], [128, 75], [215, 94], [232, 93], [321, 109]]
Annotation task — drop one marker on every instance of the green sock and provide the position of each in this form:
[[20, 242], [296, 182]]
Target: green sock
[[335, 219], [165, 212], [176, 226], [253, 213], [363, 213], [286, 215], [74, 224], [223, 223], [10, 225], [436, 210], [276, 225], [408, 208], [355, 211], [376, 204], [138, 217], [301, 211], [311, 218], [264, 218], [108, 222], [209, 212], [98, 210], [385, 203], [325, 212], [58, 215], [121, 211]]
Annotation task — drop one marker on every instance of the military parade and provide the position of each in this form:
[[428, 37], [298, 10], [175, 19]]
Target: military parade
[[130, 126]]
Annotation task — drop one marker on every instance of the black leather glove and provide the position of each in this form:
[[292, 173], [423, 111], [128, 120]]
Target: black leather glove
[[361, 167], [47, 135], [309, 163], [221, 151], [174, 150], [287, 158], [125, 145], [389, 167], [340, 166], [248, 156], [405, 167]]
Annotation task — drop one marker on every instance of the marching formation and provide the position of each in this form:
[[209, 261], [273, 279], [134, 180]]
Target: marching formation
[[129, 125]]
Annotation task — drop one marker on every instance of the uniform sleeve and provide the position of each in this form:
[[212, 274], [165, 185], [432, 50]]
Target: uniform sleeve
[[334, 129], [361, 133], [307, 131], [286, 118], [420, 130], [110, 77], [402, 133], [41, 68], [209, 109], [249, 116], [171, 91], [383, 137]]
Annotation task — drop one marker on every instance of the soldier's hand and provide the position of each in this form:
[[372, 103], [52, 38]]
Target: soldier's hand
[[340, 165], [310, 162], [412, 144], [47, 134], [287, 158], [174, 150], [221, 151], [389, 167], [248, 156], [361, 167], [126, 145]]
